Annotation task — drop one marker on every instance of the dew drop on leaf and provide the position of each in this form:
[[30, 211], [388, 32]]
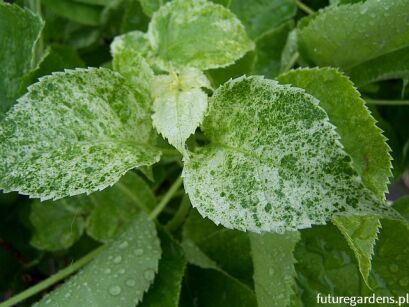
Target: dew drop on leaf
[[115, 290], [139, 252], [123, 245], [117, 259], [130, 283], [394, 268], [149, 274]]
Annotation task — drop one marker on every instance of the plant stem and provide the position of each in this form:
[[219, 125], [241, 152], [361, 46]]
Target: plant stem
[[387, 102], [304, 7], [53, 279], [180, 215], [166, 198], [292, 62]]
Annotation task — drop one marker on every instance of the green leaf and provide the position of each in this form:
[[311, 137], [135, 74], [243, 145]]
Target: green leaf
[[165, 291], [196, 257], [290, 52], [128, 61], [347, 35], [197, 34], [230, 249], [74, 132], [179, 105], [119, 276], [82, 13], [294, 174], [269, 50], [133, 17], [362, 140], [394, 65], [243, 66], [391, 260], [105, 214], [260, 17], [213, 288], [56, 58], [97, 2], [346, 110], [361, 234], [58, 225], [274, 271], [326, 265], [151, 6], [117, 206], [19, 32], [402, 206]]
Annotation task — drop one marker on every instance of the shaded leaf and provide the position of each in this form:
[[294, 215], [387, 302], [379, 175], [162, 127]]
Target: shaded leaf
[[74, 132], [56, 58], [165, 291], [119, 276], [117, 206], [58, 225], [19, 32], [230, 249], [76, 11], [294, 174], [274, 271], [213, 288], [394, 65], [269, 50], [197, 34], [260, 17]]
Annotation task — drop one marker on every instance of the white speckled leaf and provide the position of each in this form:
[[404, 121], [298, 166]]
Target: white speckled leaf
[[19, 31], [179, 105], [74, 132], [129, 61], [201, 34], [119, 276], [274, 272], [275, 162], [362, 140]]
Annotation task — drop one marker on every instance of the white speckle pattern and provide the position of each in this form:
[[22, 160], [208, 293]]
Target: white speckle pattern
[[74, 132], [274, 163]]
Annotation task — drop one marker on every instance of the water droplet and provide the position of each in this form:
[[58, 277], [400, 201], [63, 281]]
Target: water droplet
[[271, 272], [67, 295], [121, 271], [130, 283], [404, 282], [138, 252], [117, 259], [107, 271], [48, 301], [394, 268], [115, 290], [149, 275], [123, 245]]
